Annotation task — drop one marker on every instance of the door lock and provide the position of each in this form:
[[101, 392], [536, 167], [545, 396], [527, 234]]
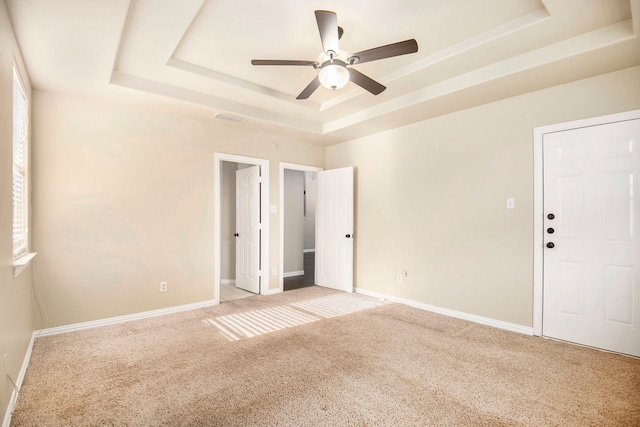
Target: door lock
[[550, 245]]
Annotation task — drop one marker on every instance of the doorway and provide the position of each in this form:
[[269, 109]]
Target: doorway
[[224, 239], [297, 231], [586, 269]]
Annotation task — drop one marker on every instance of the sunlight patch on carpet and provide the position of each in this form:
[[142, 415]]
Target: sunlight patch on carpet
[[258, 322], [337, 305], [253, 323]]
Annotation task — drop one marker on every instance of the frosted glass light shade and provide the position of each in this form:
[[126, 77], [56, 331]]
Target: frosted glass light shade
[[333, 76]]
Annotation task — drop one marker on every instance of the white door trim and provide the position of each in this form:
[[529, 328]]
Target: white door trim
[[218, 158], [296, 167], [538, 199]]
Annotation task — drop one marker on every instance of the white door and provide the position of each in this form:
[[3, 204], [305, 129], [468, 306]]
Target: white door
[[248, 229], [334, 229], [591, 290]]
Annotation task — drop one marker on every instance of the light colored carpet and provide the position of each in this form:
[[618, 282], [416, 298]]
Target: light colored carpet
[[382, 365]]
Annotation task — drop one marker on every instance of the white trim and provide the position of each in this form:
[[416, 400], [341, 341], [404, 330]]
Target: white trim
[[296, 167], [538, 199], [228, 281], [21, 263], [218, 158], [122, 319], [272, 291], [23, 370], [513, 327], [293, 273], [306, 251]]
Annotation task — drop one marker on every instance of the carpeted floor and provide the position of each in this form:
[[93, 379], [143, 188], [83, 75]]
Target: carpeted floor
[[381, 365]]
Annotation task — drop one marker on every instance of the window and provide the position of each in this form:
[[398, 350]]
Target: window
[[20, 138]]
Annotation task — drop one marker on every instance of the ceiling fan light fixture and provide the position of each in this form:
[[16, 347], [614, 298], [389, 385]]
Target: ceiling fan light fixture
[[334, 75], [335, 65]]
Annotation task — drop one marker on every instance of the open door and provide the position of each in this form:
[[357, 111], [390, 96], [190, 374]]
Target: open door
[[334, 229], [248, 229]]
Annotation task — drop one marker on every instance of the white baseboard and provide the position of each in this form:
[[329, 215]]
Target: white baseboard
[[228, 282], [23, 370], [122, 319], [513, 327], [293, 273], [308, 250]]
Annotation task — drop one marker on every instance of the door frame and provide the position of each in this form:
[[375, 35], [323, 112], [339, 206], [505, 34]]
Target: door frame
[[538, 199], [296, 167], [218, 158]]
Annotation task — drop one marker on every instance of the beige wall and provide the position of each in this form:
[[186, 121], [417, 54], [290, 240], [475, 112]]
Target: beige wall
[[124, 199], [16, 308], [431, 198], [310, 189], [293, 221], [228, 221]]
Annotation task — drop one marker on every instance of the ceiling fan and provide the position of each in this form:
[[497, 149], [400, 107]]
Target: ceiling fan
[[335, 65]]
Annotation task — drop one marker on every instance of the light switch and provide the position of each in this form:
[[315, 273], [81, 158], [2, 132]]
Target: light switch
[[511, 203]]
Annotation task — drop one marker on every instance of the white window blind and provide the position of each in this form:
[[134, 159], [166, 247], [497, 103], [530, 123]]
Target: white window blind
[[20, 118]]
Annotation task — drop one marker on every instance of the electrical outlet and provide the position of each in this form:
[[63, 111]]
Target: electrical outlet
[[163, 286], [274, 271], [400, 276]]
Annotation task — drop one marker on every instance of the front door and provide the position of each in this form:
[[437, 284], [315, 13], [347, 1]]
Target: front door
[[248, 229], [591, 289], [334, 229]]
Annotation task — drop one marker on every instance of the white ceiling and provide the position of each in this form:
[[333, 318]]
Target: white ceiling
[[192, 57]]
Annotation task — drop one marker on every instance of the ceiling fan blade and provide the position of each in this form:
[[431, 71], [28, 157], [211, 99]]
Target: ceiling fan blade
[[306, 93], [387, 51], [282, 62], [328, 27], [365, 82]]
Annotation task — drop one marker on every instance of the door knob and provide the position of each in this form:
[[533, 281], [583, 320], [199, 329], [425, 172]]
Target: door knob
[[550, 245], [550, 230], [348, 236], [236, 234], [551, 216]]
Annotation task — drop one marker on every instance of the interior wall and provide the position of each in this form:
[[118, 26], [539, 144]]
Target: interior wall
[[16, 306], [228, 222], [123, 199], [311, 192], [293, 222], [431, 198]]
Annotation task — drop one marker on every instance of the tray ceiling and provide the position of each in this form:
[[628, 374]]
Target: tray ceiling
[[192, 57]]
